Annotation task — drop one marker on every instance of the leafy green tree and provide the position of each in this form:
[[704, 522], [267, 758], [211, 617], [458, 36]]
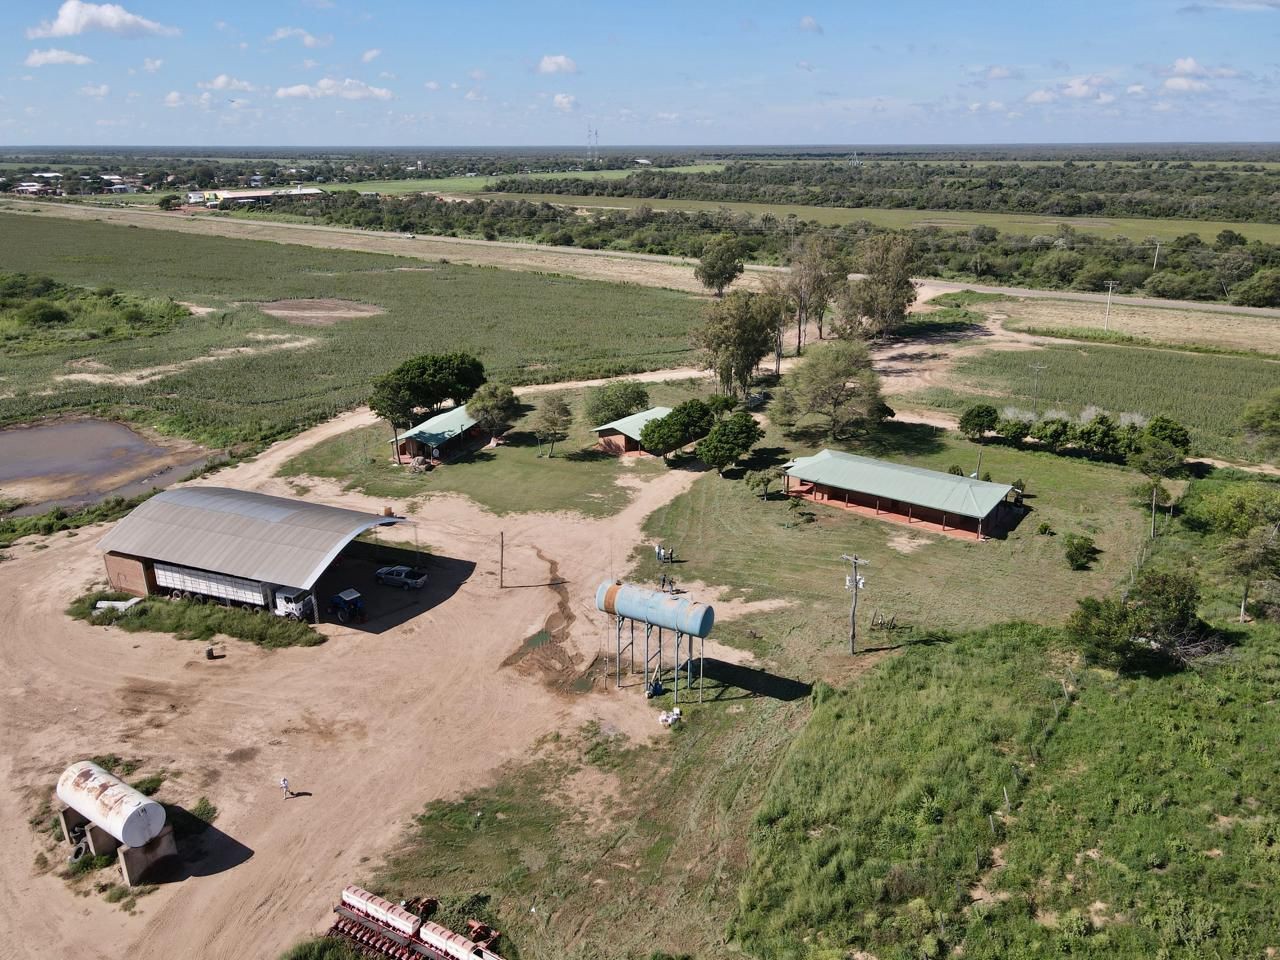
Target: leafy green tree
[[720, 404], [616, 400], [1157, 620], [1169, 431], [169, 201], [552, 422], [1261, 422], [734, 338], [816, 275], [694, 418], [1260, 290], [494, 406], [877, 302], [728, 440], [1253, 556], [760, 481], [1053, 432], [836, 382], [1156, 459], [1235, 508], [662, 435], [1014, 429], [1099, 435], [776, 309], [720, 264], [977, 420]]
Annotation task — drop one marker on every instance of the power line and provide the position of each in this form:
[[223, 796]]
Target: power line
[[1111, 285], [853, 583]]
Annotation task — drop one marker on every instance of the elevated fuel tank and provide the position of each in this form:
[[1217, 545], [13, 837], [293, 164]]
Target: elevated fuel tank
[[655, 607], [112, 804]]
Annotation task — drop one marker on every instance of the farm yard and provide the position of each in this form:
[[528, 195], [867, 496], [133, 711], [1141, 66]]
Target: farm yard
[[939, 791]]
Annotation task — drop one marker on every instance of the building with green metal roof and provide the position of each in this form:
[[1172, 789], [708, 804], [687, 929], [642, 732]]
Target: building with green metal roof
[[897, 491], [439, 437], [623, 435]]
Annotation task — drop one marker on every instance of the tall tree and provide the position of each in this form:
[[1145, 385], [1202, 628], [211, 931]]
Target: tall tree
[[728, 440], [551, 425], [877, 302], [616, 400], [1155, 460], [836, 382], [816, 276], [776, 307], [734, 338], [978, 420], [392, 399], [1255, 555], [494, 407], [721, 263]]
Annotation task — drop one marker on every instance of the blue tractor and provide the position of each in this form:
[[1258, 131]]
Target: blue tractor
[[348, 606]]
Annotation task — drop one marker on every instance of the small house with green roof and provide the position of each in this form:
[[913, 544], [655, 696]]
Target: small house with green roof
[[622, 436], [442, 437], [942, 502]]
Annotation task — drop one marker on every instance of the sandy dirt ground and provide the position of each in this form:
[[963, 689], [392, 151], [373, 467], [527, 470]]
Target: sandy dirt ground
[[263, 343], [318, 313], [370, 726]]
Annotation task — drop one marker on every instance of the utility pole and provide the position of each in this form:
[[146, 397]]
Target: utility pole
[[1155, 263], [853, 583], [502, 551], [1111, 285]]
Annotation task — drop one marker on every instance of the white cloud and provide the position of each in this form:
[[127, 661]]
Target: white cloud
[[309, 64], [1185, 84], [309, 40], [224, 82], [998, 72], [1187, 67], [75, 18], [991, 106], [478, 75], [173, 99], [99, 90], [810, 24], [557, 63], [151, 65], [565, 102], [347, 89], [55, 57], [1041, 96], [432, 85], [475, 96], [1105, 98], [370, 55], [1136, 90], [1082, 88]]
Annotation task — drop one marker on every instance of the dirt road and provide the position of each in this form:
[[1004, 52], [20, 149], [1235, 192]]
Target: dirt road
[[370, 726], [645, 269]]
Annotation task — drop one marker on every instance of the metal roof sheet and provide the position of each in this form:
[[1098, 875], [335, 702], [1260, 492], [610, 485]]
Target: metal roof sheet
[[963, 496], [441, 427], [632, 425], [240, 533]]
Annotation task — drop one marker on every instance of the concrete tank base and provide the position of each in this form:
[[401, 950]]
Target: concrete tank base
[[136, 862]]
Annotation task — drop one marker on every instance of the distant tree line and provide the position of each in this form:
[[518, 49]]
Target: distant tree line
[[1227, 266], [1066, 189]]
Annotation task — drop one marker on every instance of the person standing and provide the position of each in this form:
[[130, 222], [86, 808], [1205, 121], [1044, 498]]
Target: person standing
[[284, 786]]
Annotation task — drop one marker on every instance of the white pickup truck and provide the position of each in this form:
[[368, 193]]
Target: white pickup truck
[[402, 576]]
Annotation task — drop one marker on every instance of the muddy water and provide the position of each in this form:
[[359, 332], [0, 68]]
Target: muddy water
[[80, 462]]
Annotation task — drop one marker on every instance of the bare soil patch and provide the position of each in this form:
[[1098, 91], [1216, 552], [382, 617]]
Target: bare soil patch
[[318, 313], [196, 309], [1186, 326], [262, 343]]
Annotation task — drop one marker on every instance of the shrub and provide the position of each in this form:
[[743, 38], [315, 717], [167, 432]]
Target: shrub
[[1013, 429], [1170, 431], [978, 420], [187, 620], [1080, 551], [616, 400], [955, 470], [1045, 529], [1157, 620]]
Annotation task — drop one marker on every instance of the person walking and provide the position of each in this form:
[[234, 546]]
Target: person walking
[[284, 786]]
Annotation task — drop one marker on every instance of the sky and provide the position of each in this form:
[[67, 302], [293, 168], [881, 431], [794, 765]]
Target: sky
[[699, 72]]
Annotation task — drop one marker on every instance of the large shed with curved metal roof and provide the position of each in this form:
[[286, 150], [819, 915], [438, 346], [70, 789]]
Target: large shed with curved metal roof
[[243, 540]]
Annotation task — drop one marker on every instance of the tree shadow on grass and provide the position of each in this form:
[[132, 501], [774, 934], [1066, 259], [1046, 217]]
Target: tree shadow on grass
[[588, 455], [900, 639], [762, 458]]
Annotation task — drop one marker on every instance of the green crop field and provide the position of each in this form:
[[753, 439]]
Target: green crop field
[[481, 184], [1206, 392], [1133, 227], [525, 327]]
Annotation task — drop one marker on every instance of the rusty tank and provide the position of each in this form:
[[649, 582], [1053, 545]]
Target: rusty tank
[[653, 606], [110, 803]]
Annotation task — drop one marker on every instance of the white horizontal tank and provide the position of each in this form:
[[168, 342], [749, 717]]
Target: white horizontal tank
[[110, 803]]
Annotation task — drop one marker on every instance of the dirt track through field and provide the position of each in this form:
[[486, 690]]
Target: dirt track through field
[[652, 270]]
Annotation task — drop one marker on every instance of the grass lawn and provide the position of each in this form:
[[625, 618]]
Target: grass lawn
[[1118, 379], [511, 478], [730, 536], [526, 327]]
